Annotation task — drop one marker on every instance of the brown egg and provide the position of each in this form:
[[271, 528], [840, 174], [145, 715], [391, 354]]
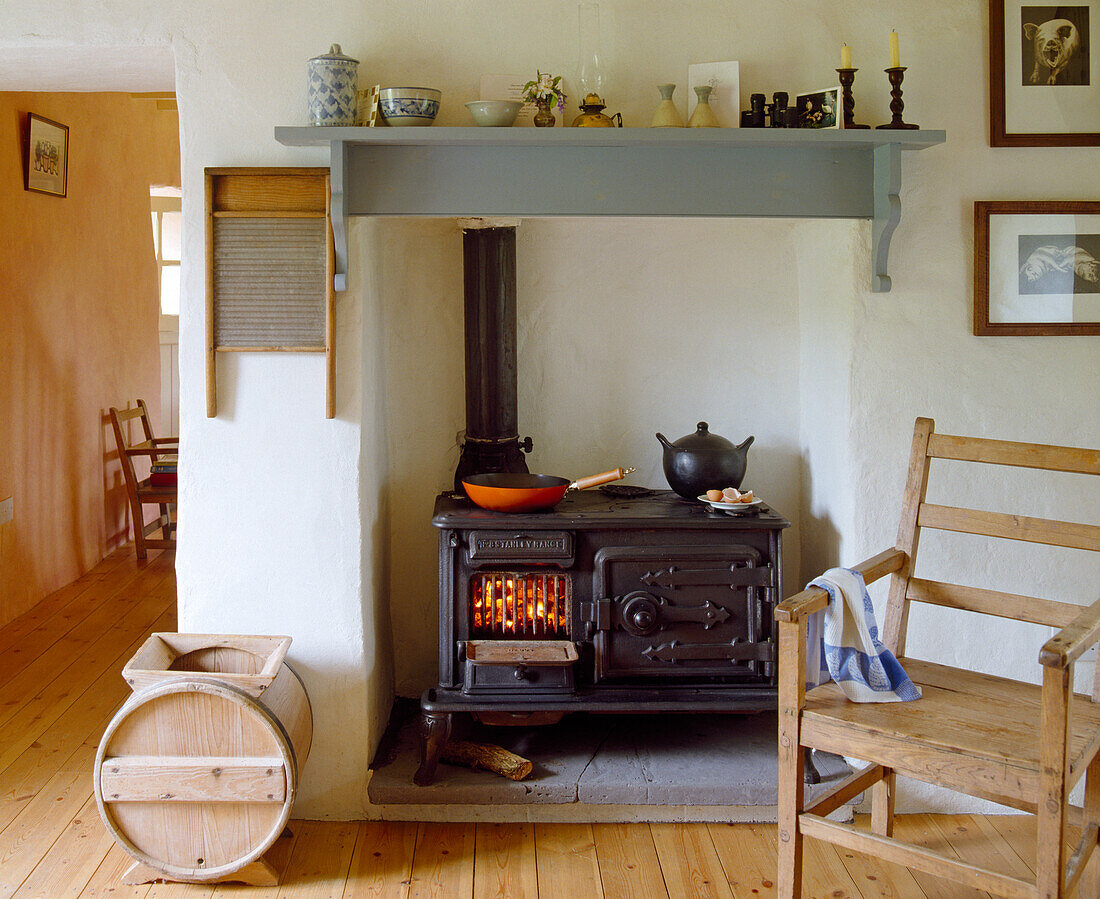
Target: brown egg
[[715, 496], [731, 495], [746, 497]]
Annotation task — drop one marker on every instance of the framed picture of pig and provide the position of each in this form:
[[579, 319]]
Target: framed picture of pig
[[1044, 75], [1036, 268]]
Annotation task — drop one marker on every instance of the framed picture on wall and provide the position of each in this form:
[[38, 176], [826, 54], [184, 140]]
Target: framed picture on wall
[[1037, 268], [46, 161], [1044, 74]]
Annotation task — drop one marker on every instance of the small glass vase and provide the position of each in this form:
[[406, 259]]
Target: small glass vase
[[544, 118], [703, 116]]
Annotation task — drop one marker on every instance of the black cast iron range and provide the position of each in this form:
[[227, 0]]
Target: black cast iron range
[[602, 604]]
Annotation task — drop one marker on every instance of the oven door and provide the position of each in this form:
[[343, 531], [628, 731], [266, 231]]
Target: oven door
[[681, 612]]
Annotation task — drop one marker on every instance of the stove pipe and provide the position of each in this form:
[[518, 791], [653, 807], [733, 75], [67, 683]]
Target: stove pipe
[[489, 284]]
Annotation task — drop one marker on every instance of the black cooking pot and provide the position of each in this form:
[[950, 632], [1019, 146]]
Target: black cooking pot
[[703, 461]]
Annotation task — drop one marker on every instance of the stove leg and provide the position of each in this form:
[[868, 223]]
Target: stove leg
[[810, 775], [435, 731]]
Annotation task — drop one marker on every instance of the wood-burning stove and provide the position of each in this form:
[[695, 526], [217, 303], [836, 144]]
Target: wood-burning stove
[[651, 604]]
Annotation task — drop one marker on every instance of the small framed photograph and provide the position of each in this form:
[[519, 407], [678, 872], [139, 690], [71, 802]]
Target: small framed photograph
[[46, 162], [366, 107], [1044, 83], [1037, 268], [724, 79], [819, 109]]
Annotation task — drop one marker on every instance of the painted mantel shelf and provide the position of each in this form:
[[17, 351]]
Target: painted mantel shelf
[[716, 172]]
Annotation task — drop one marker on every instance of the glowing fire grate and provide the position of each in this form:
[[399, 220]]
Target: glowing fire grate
[[506, 604]]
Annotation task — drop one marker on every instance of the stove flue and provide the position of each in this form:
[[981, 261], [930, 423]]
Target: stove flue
[[492, 441]]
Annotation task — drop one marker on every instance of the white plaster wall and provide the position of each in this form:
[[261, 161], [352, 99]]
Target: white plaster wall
[[291, 523]]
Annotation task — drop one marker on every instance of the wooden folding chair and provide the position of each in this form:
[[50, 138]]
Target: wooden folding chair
[[1015, 743], [141, 492]]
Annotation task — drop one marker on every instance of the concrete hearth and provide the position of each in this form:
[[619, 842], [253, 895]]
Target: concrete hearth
[[604, 767]]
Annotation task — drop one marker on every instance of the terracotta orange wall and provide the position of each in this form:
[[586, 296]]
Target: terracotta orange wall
[[78, 331]]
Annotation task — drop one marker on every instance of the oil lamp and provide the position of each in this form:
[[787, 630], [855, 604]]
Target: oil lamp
[[591, 72]]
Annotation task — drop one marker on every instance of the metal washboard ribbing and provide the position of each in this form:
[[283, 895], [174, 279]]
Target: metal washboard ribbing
[[269, 268]]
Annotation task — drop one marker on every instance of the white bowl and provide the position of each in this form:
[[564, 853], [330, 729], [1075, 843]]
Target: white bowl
[[408, 105], [494, 113]]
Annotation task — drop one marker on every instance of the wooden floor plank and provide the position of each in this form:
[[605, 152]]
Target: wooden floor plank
[[443, 862], [689, 862], [381, 867], [873, 877], [84, 720], [748, 856], [629, 867], [320, 861], [71, 861], [565, 856], [38, 713], [44, 653], [106, 882], [32, 833], [15, 636], [824, 872], [923, 830], [504, 862]]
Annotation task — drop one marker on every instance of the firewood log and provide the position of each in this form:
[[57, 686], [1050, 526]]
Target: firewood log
[[488, 757]]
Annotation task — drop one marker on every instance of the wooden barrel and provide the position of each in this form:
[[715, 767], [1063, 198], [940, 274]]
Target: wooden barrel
[[197, 772]]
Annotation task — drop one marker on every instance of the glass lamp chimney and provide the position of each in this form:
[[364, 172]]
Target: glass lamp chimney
[[591, 75]]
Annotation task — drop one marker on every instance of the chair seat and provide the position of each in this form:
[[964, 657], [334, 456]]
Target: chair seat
[[151, 493], [967, 727]]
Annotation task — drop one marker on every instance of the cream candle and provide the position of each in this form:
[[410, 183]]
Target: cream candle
[[845, 56], [895, 55]]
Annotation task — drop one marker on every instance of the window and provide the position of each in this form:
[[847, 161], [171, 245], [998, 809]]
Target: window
[[165, 204]]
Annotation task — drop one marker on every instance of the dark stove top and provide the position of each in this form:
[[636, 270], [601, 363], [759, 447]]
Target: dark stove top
[[592, 509]]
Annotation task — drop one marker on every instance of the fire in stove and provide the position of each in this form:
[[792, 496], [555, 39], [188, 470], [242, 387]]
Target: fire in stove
[[519, 605]]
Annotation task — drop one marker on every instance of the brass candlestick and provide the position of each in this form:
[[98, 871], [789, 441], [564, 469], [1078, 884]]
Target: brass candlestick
[[847, 76], [897, 107]]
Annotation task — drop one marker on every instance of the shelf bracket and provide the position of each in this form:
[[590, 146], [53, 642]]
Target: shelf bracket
[[338, 210], [887, 186]]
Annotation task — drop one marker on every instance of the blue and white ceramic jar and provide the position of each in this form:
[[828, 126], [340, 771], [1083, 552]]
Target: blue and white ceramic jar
[[333, 81]]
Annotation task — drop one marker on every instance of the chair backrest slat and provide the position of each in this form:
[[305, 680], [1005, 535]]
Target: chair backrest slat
[[1022, 455], [1010, 527], [992, 602], [918, 514]]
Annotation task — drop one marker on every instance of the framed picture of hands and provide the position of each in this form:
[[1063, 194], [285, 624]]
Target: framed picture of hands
[[1037, 268], [1044, 74]]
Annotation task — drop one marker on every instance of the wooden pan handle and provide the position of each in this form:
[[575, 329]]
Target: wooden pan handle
[[594, 480]]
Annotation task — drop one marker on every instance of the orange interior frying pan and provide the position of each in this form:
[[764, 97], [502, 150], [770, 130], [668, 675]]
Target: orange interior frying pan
[[518, 492]]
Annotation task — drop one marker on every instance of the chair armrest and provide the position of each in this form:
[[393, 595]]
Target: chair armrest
[[813, 599], [1072, 640]]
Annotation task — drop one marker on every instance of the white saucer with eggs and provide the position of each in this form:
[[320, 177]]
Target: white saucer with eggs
[[730, 507]]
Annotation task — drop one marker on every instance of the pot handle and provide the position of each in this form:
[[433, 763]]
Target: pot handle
[[594, 480]]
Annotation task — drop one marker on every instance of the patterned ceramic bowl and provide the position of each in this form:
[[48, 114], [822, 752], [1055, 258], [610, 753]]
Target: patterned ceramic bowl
[[408, 105]]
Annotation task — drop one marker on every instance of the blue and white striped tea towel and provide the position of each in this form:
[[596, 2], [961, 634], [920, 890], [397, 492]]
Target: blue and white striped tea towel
[[842, 643]]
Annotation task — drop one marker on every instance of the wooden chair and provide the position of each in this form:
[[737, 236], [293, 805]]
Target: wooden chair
[[1015, 743], [142, 492]]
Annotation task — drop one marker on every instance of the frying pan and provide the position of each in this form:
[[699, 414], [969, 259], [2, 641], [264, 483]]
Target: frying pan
[[519, 492]]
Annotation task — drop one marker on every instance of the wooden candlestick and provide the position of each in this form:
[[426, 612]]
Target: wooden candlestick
[[847, 76], [897, 107]]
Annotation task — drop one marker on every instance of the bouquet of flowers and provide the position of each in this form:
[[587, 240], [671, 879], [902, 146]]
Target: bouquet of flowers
[[545, 88]]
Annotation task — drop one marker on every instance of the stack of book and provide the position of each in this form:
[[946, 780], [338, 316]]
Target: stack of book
[[162, 472]]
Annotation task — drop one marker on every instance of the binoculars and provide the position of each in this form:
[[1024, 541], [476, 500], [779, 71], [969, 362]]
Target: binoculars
[[777, 113]]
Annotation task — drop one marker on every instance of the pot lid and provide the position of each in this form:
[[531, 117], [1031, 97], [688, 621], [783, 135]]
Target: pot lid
[[703, 439], [335, 54]]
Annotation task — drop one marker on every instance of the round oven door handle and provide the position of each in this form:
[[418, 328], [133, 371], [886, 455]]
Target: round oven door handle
[[521, 673]]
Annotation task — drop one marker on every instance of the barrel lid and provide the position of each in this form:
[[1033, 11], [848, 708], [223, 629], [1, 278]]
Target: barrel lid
[[334, 54]]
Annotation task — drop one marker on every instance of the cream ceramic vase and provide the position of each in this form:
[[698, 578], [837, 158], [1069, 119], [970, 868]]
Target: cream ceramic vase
[[667, 115], [703, 116]]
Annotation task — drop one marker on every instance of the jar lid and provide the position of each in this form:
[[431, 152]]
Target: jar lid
[[334, 53]]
